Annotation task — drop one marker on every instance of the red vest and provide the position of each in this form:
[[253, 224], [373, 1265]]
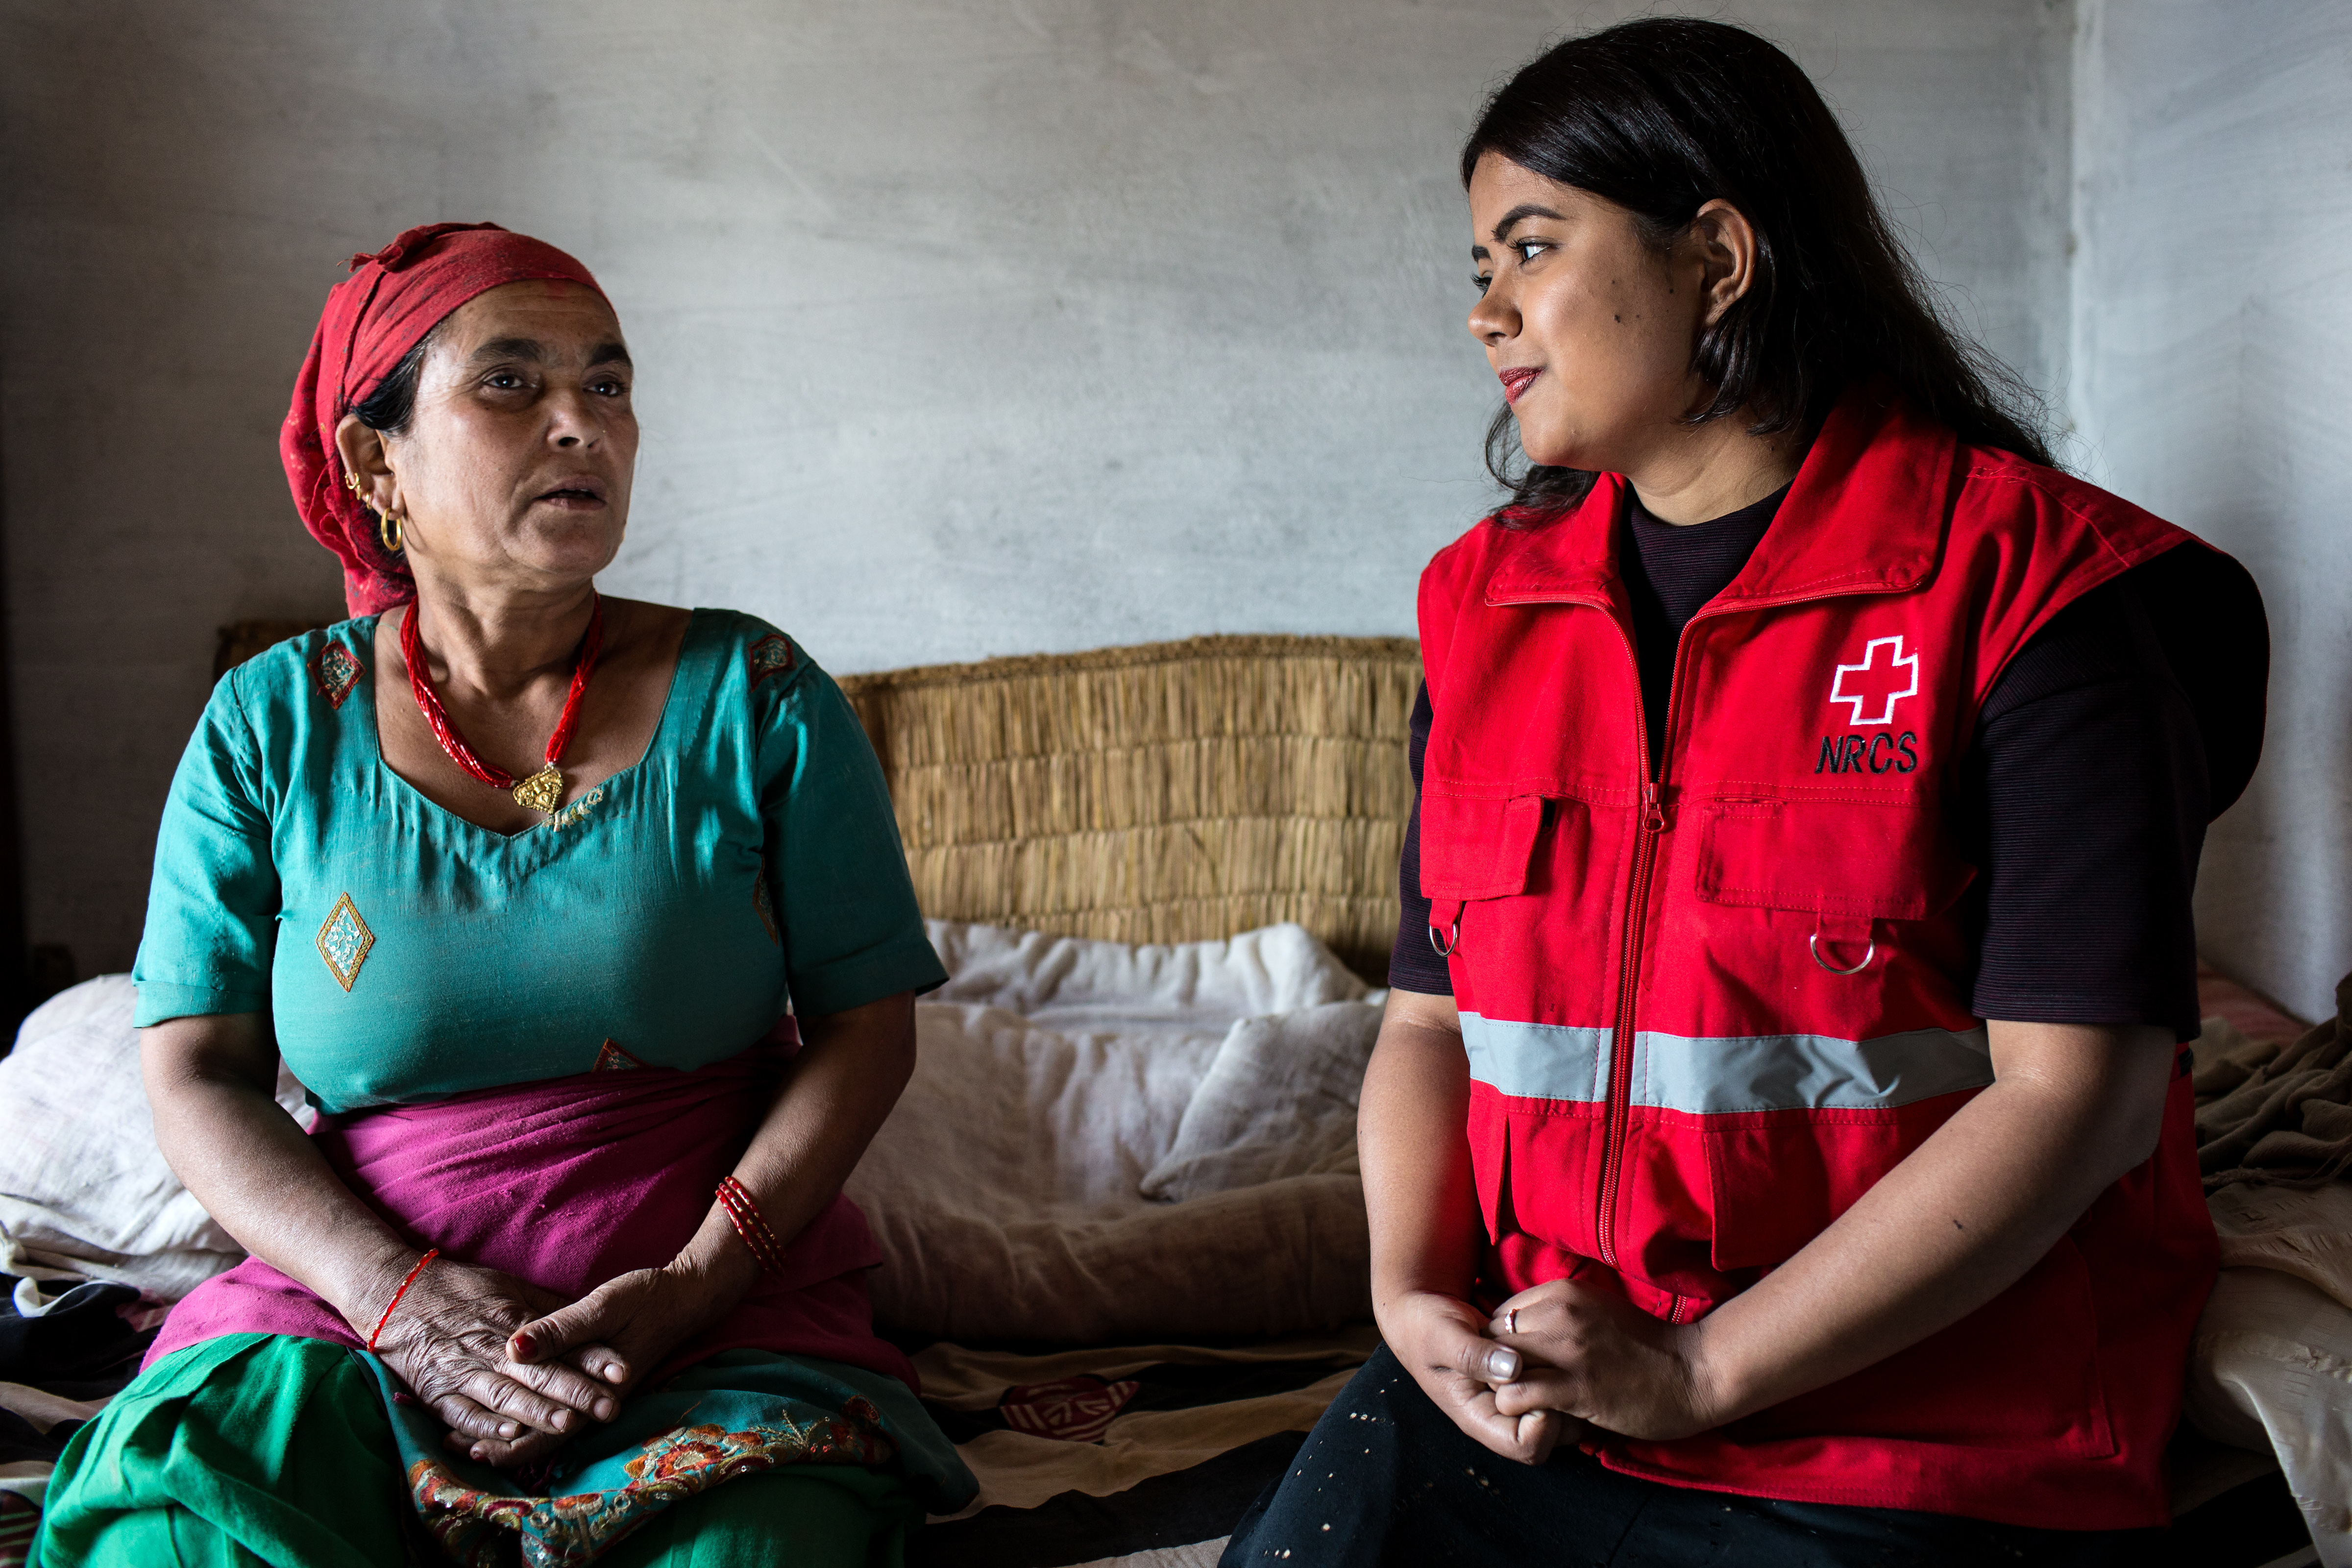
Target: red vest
[[1703, 1015]]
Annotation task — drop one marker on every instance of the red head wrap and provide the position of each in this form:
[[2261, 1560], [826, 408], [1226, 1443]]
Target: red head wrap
[[373, 319]]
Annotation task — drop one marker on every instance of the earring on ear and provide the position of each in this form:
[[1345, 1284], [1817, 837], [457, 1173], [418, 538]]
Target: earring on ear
[[387, 527]]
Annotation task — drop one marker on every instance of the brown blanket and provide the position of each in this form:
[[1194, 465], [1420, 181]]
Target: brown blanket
[[2280, 1113]]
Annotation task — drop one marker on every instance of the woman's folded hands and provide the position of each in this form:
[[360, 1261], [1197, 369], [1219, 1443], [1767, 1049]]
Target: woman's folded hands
[[449, 1342], [1442, 1339], [1552, 1363], [1593, 1357], [604, 1345]]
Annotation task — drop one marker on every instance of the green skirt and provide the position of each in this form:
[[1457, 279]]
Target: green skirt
[[258, 1448]]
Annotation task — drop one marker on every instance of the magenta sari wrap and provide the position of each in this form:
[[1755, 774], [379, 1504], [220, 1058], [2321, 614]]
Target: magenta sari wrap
[[567, 1184]]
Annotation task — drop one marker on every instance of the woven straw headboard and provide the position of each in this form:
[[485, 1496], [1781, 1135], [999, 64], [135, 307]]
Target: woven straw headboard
[[1172, 792]]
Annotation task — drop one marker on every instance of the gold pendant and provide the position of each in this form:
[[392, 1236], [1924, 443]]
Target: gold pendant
[[543, 792]]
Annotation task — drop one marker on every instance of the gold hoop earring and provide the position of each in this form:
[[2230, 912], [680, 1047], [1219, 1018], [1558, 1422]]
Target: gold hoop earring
[[350, 481], [388, 529]]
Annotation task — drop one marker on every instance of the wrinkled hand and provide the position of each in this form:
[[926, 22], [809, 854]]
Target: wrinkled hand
[[1442, 1340], [1594, 1357], [449, 1341], [618, 1332]]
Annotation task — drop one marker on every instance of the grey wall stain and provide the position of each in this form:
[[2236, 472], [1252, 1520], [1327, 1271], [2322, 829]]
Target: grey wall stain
[[2212, 383]]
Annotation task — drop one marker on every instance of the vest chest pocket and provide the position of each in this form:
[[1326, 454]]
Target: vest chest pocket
[[1472, 848], [1878, 859], [1477, 849]]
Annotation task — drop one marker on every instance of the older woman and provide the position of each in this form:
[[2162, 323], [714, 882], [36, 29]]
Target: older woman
[[517, 880]]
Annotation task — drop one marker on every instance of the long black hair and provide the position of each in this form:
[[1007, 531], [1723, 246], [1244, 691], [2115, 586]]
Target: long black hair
[[1664, 114]]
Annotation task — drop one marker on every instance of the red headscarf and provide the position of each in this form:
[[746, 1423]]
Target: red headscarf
[[373, 319]]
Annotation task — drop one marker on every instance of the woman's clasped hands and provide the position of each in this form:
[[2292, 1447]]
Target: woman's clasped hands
[[1595, 1357], [449, 1338], [514, 1371], [1555, 1362]]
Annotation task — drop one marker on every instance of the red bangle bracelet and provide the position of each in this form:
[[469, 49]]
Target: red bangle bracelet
[[396, 1295], [745, 1216]]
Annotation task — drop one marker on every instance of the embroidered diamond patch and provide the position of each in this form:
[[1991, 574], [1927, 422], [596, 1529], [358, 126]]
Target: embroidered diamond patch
[[613, 1058], [337, 671], [771, 654], [344, 940]]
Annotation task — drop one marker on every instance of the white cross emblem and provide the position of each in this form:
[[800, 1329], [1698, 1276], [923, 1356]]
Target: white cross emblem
[[1872, 683]]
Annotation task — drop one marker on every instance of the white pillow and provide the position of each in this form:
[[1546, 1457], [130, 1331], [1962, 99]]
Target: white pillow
[[1053, 1076], [84, 1191], [1068, 983], [1279, 1100]]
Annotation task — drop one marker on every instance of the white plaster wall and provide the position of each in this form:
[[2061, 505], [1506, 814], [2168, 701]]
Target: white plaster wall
[[966, 328], [2213, 382]]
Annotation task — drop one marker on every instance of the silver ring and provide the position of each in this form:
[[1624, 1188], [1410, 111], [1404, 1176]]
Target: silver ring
[[1814, 942], [1511, 1321]]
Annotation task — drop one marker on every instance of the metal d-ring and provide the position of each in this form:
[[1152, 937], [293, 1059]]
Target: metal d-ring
[[1814, 942], [1453, 938]]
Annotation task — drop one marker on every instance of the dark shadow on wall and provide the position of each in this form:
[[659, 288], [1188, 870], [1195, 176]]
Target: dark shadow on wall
[[17, 966]]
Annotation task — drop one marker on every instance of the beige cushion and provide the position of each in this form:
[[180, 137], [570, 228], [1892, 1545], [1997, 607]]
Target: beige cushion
[[84, 1191]]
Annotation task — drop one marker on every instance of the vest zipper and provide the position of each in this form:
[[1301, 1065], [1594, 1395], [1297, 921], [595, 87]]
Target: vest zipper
[[1621, 1038], [1620, 1034]]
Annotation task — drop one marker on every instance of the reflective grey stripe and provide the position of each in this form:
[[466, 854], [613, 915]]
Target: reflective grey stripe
[[1713, 1076], [1538, 1061], [1805, 1072]]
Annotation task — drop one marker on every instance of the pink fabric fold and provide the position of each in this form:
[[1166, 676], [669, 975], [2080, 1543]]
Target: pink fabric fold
[[567, 1184]]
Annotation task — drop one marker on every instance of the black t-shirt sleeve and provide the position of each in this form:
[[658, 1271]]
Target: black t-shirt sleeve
[[2082, 802], [1413, 964]]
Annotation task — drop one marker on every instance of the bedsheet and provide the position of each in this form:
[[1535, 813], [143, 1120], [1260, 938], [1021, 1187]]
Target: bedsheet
[[2271, 1368], [1141, 1455]]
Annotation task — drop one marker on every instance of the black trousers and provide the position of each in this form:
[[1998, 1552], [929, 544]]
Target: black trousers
[[1387, 1478]]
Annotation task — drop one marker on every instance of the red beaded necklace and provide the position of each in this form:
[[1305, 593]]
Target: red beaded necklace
[[543, 791]]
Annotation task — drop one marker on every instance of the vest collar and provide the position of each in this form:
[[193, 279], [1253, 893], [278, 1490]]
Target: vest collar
[[1866, 515]]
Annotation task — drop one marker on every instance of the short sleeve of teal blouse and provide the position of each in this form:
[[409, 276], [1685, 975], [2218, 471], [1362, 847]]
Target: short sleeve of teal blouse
[[407, 955]]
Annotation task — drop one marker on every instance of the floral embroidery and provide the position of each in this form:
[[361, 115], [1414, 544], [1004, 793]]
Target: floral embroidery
[[760, 902], [1075, 1409], [344, 940], [613, 1058], [771, 654], [578, 809], [482, 1528], [337, 671]]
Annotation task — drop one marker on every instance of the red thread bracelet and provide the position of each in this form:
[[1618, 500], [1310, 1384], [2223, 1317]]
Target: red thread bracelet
[[741, 1206], [396, 1295], [744, 1214]]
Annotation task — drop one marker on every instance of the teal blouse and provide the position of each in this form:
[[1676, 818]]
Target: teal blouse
[[404, 954]]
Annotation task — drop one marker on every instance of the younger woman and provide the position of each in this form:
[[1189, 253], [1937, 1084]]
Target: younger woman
[[1777, 1147]]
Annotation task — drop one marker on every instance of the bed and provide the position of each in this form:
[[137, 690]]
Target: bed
[[1122, 1222]]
